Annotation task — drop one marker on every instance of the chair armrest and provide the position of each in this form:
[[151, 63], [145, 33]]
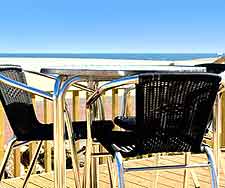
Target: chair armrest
[[53, 77], [111, 85], [22, 86]]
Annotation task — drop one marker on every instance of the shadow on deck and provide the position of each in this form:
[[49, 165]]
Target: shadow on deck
[[167, 179]]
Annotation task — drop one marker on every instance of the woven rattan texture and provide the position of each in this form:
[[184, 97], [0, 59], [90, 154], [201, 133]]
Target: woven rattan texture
[[17, 103], [172, 111]]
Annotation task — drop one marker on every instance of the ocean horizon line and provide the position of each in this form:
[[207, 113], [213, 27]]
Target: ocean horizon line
[[126, 56]]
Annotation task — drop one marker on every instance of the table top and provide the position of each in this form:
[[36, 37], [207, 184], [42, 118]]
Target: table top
[[213, 67], [104, 72]]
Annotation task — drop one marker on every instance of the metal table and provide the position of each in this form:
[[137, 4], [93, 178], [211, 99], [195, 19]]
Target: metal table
[[67, 75], [106, 72]]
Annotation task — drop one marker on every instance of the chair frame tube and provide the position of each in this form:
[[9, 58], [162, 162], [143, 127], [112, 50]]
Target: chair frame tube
[[25, 87], [73, 148], [8, 151], [212, 166], [52, 77], [169, 167], [12, 145], [120, 169], [60, 88], [32, 163], [113, 84]]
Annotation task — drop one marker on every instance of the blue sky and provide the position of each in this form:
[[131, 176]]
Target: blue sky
[[91, 26]]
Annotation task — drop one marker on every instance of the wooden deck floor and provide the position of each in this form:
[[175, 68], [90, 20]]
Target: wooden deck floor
[[167, 179]]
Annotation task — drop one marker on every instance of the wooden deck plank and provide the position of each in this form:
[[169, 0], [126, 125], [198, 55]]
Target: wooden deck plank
[[5, 185], [46, 183], [50, 178], [18, 182], [203, 174], [141, 179], [167, 178]]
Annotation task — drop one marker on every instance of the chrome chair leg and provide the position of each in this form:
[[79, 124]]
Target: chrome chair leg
[[94, 171], [73, 149], [212, 166], [87, 166], [6, 155], [120, 170], [111, 170], [32, 163]]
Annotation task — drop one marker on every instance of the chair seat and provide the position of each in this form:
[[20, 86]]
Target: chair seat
[[123, 141], [45, 131], [127, 123], [127, 144]]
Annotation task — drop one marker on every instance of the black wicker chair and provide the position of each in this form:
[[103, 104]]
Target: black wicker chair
[[172, 111], [15, 96]]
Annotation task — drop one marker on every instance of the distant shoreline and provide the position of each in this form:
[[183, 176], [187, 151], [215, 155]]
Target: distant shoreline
[[124, 56], [35, 64]]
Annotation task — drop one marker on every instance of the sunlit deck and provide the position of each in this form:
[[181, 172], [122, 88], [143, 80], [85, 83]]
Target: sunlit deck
[[167, 178]]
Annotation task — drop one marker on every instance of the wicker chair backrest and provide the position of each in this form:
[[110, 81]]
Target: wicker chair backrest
[[16, 102], [172, 110]]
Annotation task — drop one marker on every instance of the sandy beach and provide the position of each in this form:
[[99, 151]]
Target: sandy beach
[[36, 64]]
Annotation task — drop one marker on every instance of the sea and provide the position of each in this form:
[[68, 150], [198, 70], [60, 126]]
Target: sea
[[128, 56]]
